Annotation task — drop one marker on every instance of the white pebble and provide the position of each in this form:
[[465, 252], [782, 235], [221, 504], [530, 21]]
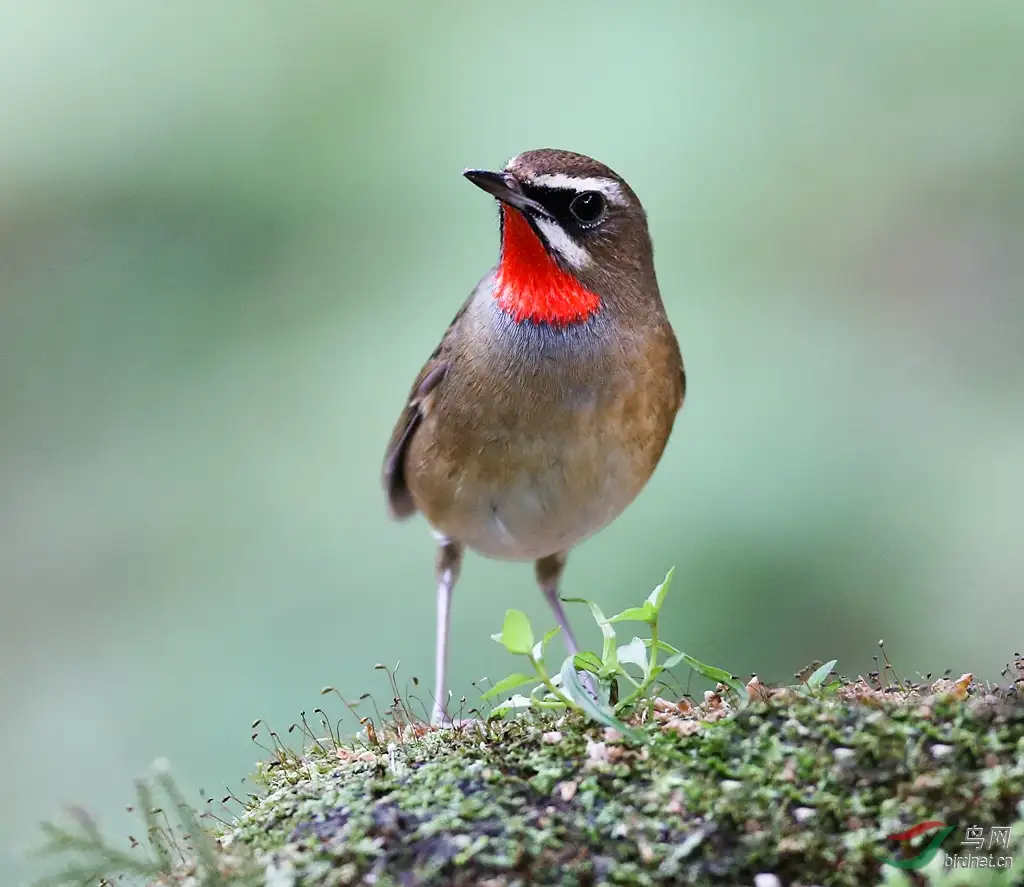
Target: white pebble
[[280, 873]]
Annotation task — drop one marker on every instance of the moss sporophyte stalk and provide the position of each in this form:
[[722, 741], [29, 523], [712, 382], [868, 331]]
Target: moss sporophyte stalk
[[873, 780]]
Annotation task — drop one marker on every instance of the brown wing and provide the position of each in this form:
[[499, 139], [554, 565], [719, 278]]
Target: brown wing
[[400, 502]]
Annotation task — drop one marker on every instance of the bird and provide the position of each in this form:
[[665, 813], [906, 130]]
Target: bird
[[550, 399]]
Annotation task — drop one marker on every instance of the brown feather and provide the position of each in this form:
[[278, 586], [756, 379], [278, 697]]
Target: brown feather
[[400, 501]]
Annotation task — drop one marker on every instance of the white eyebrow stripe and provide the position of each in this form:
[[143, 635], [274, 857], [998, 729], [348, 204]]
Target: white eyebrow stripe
[[561, 242], [608, 187]]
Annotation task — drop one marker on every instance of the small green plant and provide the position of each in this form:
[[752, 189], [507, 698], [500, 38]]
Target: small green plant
[[815, 683], [636, 663], [174, 846]]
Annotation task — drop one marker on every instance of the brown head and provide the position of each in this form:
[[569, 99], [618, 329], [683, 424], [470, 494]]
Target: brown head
[[574, 238]]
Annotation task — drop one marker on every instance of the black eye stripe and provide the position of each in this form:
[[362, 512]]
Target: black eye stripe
[[558, 202]]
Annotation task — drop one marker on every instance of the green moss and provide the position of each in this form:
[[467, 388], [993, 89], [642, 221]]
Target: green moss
[[805, 789]]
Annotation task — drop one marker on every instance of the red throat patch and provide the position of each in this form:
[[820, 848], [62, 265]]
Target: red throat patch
[[530, 286]]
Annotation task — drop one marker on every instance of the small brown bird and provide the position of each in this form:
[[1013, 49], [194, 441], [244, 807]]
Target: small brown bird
[[546, 407]]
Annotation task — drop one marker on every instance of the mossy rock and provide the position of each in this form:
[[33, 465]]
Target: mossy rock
[[802, 789]]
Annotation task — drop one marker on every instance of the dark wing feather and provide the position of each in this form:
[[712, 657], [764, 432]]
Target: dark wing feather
[[400, 501]]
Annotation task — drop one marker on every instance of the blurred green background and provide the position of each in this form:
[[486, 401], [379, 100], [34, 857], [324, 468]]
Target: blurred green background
[[231, 233]]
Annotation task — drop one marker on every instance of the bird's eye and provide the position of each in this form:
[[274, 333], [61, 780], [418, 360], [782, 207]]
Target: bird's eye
[[588, 207]]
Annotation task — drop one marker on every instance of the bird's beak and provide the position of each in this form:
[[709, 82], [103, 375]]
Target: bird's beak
[[506, 188]]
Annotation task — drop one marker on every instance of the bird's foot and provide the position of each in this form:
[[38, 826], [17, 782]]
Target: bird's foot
[[440, 720], [589, 683]]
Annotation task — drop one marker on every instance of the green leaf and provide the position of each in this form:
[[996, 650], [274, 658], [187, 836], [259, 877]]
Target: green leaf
[[634, 653], [608, 638], [673, 661], [516, 635], [820, 673], [541, 645], [657, 597], [574, 689], [646, 613], [540, 692], [509, 683], [718, 675], [587, 661], [609, 662], [516, 703]]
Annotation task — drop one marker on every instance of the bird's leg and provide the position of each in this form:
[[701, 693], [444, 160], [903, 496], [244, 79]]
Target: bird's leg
[[449, 562], [549, 574]]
